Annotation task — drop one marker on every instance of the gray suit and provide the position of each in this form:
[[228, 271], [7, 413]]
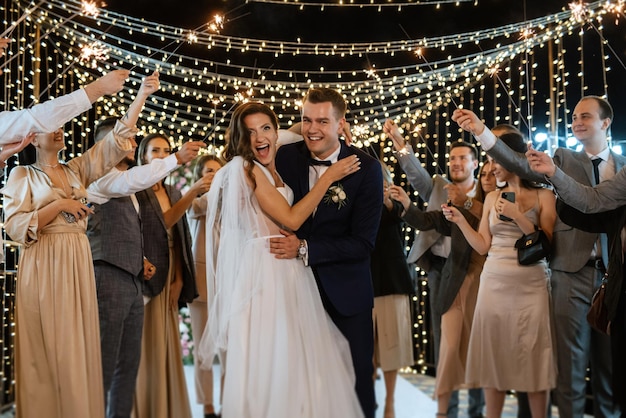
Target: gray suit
[[573, 284], [431, 190], [114, 232]]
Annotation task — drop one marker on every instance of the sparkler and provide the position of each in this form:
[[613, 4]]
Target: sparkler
[[493, 71], [579, 10], [88, 8], [26, 13], [617, 8], [217, 24], [93, 53], [239, 97]]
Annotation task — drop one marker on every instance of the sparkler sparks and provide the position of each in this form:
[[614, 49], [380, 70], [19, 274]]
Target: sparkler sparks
[[93, 53], [579, 11], [192, 38], [493, 71], [91, 8], [526, 33], [217, 24], [361, 131]]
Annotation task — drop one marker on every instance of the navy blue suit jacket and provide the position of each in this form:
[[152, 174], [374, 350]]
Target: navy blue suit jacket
[[340, 240]]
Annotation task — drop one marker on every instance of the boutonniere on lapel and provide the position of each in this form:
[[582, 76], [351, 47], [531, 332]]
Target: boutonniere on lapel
[[336, 194]]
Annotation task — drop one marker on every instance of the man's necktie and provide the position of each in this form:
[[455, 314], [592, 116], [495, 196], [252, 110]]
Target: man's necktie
[[596, 169], [313, 161], [603, 238]]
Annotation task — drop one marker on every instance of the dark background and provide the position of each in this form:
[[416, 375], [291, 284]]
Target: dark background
[[361, 24]]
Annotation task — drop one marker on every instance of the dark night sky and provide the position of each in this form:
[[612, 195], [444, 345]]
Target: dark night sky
[[352, 24]]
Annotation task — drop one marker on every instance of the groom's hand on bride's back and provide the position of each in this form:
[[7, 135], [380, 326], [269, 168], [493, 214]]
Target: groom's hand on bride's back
[[286, 246]]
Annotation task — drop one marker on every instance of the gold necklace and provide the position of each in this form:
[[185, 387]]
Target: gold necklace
[[49, 165]]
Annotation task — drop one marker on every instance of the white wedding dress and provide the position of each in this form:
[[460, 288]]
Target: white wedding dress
[[283, 357]]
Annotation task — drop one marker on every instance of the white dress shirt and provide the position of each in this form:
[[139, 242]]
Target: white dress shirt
[[117, 183], [44, 117]]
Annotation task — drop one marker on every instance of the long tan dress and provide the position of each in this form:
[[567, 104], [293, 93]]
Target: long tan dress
[[57, 360], [161, 390]]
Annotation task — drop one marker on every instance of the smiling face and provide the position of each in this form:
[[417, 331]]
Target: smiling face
[[501, 173], [588, 125], [50, 141], [462, 164], [321, 128], [263, 137]]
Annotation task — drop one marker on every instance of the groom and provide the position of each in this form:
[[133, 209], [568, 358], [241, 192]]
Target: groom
[[336, 241]]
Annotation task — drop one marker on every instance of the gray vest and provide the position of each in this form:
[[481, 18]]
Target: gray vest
[[114, 232]]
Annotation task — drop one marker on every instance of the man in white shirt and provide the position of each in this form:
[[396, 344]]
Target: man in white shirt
[[16, 125], [114, 232]]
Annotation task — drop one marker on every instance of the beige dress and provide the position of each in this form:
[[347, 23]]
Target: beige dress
[[511, 341], [198, 310], [161, 390], [57, 350], [456, 326]]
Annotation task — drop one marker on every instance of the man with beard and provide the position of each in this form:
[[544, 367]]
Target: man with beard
[[430, 248], [114, 232]]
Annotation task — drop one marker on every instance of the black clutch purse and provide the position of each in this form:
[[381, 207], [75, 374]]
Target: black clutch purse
[[531, 248]]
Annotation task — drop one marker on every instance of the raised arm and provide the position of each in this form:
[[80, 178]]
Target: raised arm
[[52, 114], [292, 217], [607, 195], [417, 175]]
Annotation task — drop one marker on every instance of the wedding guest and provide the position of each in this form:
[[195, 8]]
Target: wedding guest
[[161, 390], [578, 259], [114, 232], [511, 342], [206, 165], [459, 282], [16, 125], [393, 340], [430, 247], [606, 196], [57, 360]]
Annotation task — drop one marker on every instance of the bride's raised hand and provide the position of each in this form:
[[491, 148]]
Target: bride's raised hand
[[343, 168]]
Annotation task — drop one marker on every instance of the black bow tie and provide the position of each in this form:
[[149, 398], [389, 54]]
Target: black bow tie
[[313, 161]]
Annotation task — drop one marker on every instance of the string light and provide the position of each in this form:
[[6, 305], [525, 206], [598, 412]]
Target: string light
[[369, 3], [27, 12], [413, 92]]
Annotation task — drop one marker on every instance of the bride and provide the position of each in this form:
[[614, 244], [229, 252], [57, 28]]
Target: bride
[[282, 355]]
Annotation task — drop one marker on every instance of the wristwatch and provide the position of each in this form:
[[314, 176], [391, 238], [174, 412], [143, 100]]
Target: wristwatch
[[468, 203], [302, 249]]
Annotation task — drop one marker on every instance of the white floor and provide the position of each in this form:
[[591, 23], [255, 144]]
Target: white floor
[[410, 401]]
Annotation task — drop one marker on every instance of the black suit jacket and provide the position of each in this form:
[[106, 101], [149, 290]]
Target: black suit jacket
[[156, 247], [340, 240], [390, 271], [455, 267]]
